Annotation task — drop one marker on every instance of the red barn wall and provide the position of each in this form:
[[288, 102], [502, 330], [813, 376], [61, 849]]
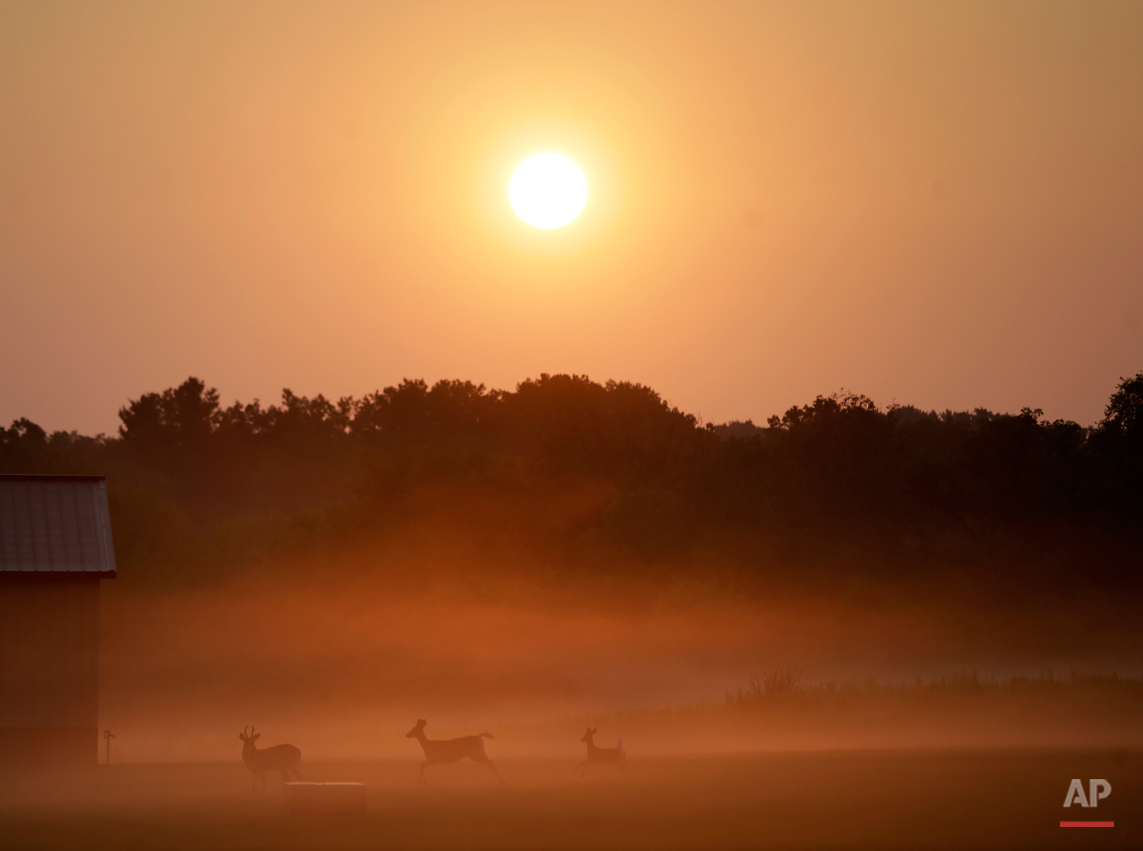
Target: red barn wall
[[49, 671]]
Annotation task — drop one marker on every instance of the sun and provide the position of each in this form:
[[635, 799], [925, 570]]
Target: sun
[[547, 191]]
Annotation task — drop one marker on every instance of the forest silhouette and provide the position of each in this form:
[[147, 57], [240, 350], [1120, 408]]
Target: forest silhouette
[[609, 479]]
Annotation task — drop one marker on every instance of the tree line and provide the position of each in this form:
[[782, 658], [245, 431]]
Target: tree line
[[610, 475]]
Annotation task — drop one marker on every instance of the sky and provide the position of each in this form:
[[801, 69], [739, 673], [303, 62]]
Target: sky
[[932, 204]]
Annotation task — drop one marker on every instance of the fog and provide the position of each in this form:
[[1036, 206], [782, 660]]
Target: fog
[[342, 663]]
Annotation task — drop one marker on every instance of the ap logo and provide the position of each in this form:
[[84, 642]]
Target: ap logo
[[1099, 789]]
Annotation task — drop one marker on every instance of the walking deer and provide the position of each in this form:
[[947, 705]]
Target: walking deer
[[602, 756], [451, 750], [283, 758]]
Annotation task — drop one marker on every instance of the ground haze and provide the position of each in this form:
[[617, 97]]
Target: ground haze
[[874, 800]]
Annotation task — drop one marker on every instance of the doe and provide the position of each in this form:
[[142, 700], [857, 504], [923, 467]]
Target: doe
[[283, 758], [451, 750], [602, 756]]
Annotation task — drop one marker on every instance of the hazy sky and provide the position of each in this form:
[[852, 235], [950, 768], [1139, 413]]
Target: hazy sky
[[939, 204]]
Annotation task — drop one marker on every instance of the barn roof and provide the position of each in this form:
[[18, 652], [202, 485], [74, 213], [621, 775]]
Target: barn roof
[[55, 524]]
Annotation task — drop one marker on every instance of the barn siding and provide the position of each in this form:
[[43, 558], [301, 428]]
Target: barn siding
[[49, 669]]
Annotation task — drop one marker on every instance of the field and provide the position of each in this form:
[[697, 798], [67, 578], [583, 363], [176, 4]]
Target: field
[[854, 799]]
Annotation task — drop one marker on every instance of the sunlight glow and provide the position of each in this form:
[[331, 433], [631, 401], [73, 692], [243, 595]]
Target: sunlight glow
[[547, 191]]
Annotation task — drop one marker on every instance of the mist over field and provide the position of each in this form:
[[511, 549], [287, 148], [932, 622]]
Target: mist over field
[[342, 669]]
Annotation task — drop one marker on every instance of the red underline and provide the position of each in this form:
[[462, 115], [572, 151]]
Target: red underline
[[1087, 824]]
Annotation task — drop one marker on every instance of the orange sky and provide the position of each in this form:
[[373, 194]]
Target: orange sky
[[939, 204]]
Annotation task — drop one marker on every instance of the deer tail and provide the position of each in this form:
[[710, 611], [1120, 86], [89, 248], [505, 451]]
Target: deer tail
[[486, 736]]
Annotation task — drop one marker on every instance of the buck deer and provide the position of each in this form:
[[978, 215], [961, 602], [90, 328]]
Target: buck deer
[[283, 758], [451, 750], [602, 756]]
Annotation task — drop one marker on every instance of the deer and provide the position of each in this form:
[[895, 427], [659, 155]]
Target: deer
[[602, 756], [451, 750], [283, 758]]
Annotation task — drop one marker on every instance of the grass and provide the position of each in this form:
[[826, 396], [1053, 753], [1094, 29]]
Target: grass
[[781, 710]]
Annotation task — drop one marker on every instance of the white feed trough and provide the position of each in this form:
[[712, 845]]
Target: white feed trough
[[323, 799]]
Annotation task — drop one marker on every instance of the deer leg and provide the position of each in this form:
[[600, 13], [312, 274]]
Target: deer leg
[[285, 774], [484, 760], [421, 777]]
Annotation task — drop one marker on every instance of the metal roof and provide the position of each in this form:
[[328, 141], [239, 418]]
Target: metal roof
[[55, 524]]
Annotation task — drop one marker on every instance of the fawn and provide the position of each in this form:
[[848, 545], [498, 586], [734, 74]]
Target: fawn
[[283, 758], [451, 750], [602, 756]]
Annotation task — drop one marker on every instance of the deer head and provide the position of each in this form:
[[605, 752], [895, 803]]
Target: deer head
[[418, 730], [587, 736], [251, 738]]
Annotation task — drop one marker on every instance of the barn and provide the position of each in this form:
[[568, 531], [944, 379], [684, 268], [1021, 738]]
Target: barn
[[55, 547]]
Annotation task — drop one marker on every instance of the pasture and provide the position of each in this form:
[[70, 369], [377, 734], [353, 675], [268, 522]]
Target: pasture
[[855, 799]]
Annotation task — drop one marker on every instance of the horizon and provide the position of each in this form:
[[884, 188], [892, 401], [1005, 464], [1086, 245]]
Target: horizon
[[758, 422]]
